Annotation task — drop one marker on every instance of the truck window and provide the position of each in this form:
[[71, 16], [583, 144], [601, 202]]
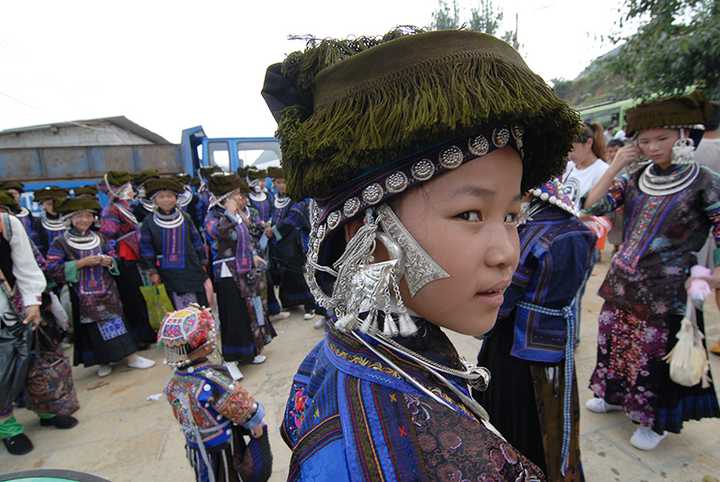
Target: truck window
[[219, 155], [261, 158]]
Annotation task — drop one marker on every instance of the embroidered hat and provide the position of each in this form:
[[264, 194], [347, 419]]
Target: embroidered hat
[[553, 192], [222, 184], [206, 171], [16, 185], [50, 193], [187, 334], [8, 202], [90, 191], [684, 111], [76, 204], [142, 177], [182, 178], [154, 186], [275, 172], [118, 178], [361, 120]]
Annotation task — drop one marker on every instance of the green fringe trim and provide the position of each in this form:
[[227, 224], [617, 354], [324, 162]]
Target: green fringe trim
[[414, 110]]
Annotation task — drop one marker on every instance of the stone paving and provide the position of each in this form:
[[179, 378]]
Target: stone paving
[[126, 438]]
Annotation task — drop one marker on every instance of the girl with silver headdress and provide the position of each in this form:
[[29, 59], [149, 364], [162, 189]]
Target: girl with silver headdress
[[86, 261], [416, 149], [670, 204], [170, 247]]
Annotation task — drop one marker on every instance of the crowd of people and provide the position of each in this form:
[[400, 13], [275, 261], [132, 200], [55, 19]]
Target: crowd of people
[[449, 188], [224, 240]]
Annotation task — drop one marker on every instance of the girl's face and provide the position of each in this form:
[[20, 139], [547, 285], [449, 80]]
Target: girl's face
[[48, 206], [165, 200], [82, 220], [466, 220], [657, 144], [280, 185], [240, 199], [580, 150]]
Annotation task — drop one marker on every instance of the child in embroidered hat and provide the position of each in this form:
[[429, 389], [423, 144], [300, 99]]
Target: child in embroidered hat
[[670, 204], [171, 248], [214, 412], [416, 149], [84, 260], [51, 225]]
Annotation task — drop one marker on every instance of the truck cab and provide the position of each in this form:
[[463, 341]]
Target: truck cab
[[228, 153]]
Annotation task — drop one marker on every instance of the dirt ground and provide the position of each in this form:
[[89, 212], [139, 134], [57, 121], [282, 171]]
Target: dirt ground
[[125, 437]]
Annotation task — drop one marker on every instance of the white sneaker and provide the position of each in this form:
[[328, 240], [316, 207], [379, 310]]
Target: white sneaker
[[598, 405], [259, 359], [235, 372], [319, 323], [646, 438], [137, 361], [104, 370], [309, 316], [283, 315]]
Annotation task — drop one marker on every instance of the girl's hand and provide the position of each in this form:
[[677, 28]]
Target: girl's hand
[[626, 156], [258, 431]]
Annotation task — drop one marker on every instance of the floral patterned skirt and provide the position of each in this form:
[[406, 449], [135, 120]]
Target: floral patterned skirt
[[630, 370]]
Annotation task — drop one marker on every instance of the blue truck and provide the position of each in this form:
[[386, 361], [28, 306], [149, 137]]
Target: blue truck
[[72, 167]]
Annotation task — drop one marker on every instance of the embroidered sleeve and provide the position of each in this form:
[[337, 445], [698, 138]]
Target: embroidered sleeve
[[147, 248], [197, 243], [58, 268], [236, 404], [614, 198], [110, 223]]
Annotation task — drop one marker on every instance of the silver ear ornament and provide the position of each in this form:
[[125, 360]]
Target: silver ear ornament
[[683, 150], [419, 267]]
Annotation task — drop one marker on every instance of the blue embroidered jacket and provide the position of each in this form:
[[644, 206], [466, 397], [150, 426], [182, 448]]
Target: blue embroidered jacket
[[353, 417]]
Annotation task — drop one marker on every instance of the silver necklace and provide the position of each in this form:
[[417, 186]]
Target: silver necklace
[[469, 402], [665, 185], [477, 377], [281, 202], [129, 215], [185, 197], [169, 221], [83, 242], [52, 224]]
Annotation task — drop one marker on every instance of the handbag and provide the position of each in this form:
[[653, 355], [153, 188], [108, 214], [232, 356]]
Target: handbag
[[50, 385], [15, 344], [688, 359], [158, 304]]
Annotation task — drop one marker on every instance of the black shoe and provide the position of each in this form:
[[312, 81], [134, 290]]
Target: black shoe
[[63, 422], [18, 445]]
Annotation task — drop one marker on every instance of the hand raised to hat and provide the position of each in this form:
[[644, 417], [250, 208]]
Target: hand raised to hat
[[626, 156]]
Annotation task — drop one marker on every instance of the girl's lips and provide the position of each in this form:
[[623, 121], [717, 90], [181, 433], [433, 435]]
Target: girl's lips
[[491, 298]]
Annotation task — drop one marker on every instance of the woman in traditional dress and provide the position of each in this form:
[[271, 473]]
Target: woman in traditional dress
[[670, 205], [119, 224], [416, 150], [86, 261], [534, 399], [235, 270], [51, 224], [171, 248]]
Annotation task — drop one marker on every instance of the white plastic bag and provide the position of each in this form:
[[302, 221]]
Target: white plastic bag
[[688, 360]]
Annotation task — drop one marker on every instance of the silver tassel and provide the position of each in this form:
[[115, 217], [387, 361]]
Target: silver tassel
[[390, 329]]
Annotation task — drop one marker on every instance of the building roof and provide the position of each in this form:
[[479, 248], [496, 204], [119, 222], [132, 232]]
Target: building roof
[[120, 121]]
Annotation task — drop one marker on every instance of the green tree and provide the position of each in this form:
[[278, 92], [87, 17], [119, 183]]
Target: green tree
[[676, 47], [446, 17], [485, 18]]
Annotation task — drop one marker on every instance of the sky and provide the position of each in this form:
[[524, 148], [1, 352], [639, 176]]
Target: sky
[[168, 65]]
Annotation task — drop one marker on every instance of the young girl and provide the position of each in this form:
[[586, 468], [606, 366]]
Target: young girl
[[213, 411], [416, 150], [171, 248], [83, 259], [670, 205], [51, 225]]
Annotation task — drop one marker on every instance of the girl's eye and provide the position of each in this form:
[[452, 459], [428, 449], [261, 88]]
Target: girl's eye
[[471, 216]]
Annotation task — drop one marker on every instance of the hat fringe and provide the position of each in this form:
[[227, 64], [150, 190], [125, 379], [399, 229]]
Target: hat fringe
[[414, 109]]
